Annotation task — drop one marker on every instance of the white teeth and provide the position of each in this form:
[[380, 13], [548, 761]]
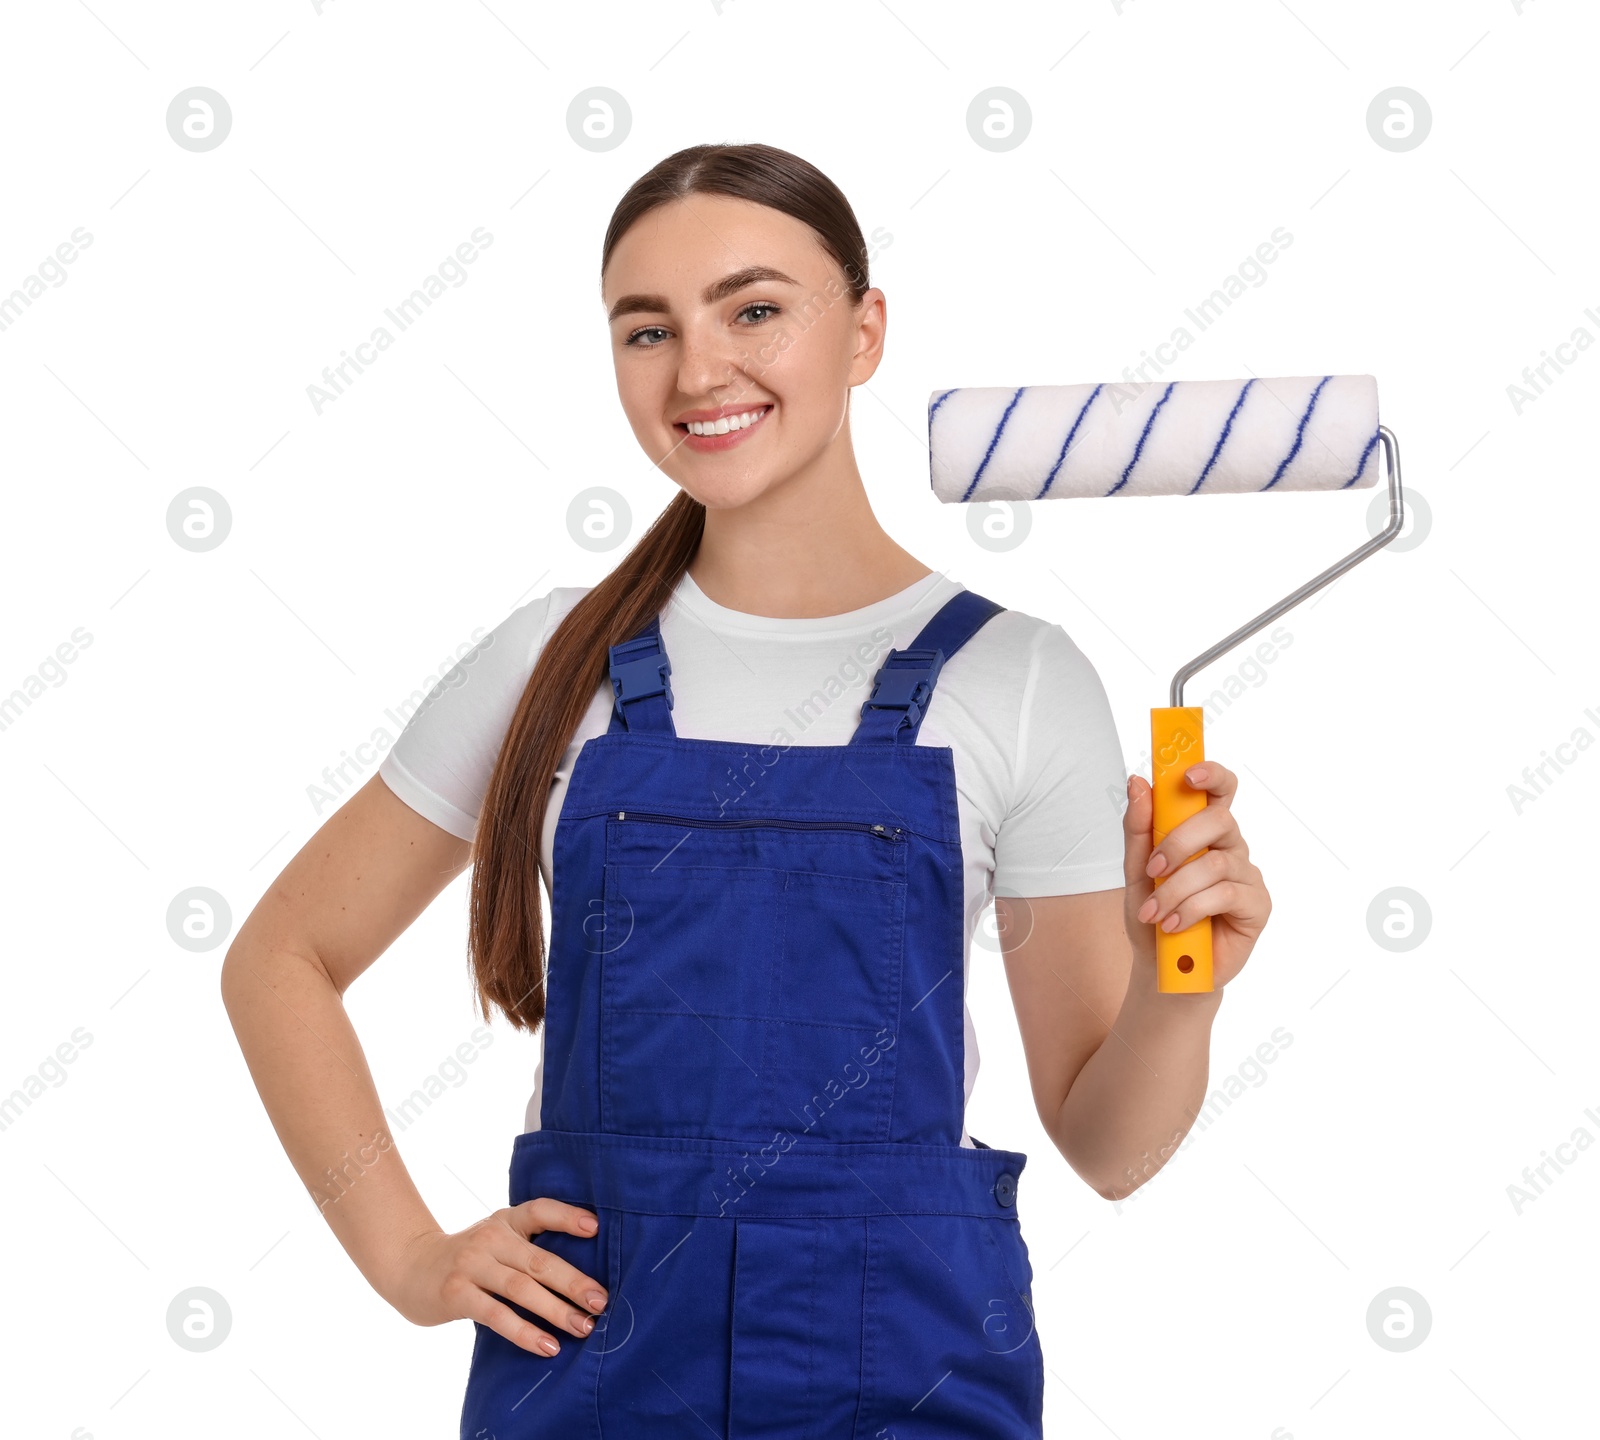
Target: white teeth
[[741, 421]]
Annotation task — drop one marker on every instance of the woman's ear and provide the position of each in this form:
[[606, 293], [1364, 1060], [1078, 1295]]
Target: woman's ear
[[871, 321]]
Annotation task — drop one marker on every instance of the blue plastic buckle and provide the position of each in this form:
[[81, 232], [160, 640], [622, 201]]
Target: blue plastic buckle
[[904, 682], [640, 677]]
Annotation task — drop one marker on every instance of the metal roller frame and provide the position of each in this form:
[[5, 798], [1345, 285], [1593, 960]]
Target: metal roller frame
[[1391, 450]]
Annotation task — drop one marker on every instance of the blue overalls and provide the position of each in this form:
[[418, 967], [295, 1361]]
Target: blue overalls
[[753, 1075]]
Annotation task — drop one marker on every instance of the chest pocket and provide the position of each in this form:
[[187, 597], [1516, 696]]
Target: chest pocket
[[751, 977]]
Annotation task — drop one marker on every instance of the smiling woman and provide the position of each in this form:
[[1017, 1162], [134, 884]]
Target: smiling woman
[[768, 335], [746, 1197]]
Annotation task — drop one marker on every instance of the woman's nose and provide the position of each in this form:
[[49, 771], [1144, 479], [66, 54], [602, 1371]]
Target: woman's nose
[[709, 363]]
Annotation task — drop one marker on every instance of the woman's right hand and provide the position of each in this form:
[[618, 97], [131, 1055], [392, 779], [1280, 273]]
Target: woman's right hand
[[461, 1276]]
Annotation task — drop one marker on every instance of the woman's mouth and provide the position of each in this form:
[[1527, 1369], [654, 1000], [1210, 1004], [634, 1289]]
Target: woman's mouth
[[723, 433]]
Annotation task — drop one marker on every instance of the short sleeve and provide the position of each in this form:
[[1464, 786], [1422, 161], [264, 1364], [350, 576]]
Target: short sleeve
[[1063, 832], [441, 763]]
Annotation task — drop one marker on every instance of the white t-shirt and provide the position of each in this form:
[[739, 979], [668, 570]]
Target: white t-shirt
[[1038, 768]]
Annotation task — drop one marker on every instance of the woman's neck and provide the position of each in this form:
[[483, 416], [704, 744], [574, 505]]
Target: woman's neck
[[806, 547]]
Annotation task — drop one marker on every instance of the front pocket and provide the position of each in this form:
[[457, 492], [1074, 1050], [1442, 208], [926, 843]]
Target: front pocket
[[949, 1347], [829, 1060], [751, 977]]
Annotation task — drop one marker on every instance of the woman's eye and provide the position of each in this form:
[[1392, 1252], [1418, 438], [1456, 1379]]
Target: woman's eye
[[765, 308]]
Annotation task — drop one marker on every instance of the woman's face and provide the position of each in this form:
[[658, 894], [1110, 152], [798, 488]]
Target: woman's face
[[722, 308]]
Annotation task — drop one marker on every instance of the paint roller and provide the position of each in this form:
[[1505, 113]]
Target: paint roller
[[1182, 437]]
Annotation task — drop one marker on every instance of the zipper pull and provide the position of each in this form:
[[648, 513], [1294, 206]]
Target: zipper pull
[[622, 814]]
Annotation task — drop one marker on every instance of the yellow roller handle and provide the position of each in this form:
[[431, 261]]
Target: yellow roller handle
[[1177, 742]]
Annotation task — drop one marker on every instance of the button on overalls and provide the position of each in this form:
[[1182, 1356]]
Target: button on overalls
[[753, 1076]]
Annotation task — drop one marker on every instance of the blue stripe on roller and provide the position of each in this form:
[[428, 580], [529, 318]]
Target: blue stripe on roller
[[1222, 439], [931, 411], [993, 441], [1362, 467], [1299, 434], [1139, 448], [1067, 444]]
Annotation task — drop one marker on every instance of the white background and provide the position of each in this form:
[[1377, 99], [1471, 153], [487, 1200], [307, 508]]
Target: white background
[[1230, 1296]]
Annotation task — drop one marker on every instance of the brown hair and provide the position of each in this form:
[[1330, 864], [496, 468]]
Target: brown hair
[[506, 923]]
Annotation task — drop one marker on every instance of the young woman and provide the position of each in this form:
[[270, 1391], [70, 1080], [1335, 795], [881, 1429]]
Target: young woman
[[770, 770]]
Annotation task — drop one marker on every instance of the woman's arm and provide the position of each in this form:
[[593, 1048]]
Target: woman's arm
[[371, 869], [1119, 1070]]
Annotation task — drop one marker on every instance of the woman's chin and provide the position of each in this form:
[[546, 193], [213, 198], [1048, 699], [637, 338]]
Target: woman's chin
[[727, 492]]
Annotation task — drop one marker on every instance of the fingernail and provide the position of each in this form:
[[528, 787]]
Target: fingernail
[[590, 1223], [549, 1346], [595, 1300], [1157, 865], [585, 1324], [1195, 774], [1147, 911], [1171, 922]]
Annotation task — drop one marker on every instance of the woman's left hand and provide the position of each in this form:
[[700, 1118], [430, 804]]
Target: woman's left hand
[[1222, 883]]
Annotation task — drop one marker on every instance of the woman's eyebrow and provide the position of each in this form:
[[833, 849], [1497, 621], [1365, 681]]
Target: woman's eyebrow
[[730, 284]]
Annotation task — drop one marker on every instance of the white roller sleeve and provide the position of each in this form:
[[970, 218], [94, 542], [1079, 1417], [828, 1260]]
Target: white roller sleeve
[[1181, 437]]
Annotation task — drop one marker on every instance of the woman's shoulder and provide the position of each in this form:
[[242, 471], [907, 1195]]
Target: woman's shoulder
[[1020, 644], [442, 759], [480, 691], [521, 634]]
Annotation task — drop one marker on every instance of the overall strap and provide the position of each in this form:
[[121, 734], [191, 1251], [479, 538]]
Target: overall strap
[[904, 683], [641, 692]]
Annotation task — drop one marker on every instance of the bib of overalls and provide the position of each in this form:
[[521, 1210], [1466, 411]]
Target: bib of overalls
[[754, 1076]]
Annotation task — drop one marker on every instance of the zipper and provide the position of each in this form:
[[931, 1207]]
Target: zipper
[[883, 832]]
